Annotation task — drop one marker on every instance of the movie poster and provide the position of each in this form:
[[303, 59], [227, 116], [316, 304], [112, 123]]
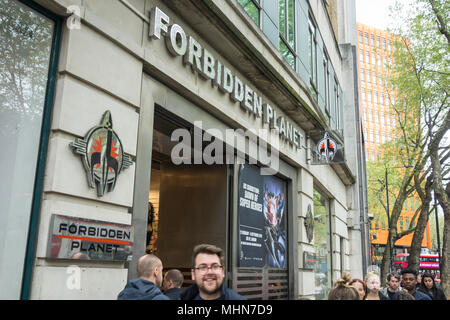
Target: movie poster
[[262, 219], [275, 241], [251, 222]]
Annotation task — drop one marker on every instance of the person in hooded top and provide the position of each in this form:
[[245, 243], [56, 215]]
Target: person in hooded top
[[146, 286]]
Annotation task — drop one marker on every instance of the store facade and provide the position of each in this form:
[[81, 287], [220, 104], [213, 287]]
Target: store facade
[[174, 123]]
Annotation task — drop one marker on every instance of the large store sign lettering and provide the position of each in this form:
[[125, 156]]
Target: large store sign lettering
[[210, 68]]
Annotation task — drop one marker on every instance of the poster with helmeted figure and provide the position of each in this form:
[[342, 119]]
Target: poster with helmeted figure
[[274, 208]]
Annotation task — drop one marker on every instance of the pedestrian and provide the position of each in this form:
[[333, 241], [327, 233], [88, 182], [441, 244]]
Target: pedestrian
[[409, 282], [373, 288], [360, 286], [342, 290], [208, 274], [393, 286], [429, 287], [145, 287], [173, 280]]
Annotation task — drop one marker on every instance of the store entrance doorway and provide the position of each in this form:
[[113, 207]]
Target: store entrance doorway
[[188, 203]]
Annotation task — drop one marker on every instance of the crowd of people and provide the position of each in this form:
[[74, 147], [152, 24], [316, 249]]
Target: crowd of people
[[407, 286], [207, 272], [208, 276]]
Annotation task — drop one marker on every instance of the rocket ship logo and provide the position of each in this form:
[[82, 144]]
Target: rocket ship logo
[[102, 155]]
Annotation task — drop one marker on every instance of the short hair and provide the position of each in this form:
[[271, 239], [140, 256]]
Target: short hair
[[146, 265], [393, 275], [175, 276], [342, 290], [414, 272], [208, 249]]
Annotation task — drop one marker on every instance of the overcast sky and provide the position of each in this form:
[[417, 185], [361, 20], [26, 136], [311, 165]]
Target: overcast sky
[[374, 13]]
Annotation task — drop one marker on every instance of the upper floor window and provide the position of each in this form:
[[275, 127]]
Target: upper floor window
[[312, 57], [366, 38], [287, 31], [371, 40], [253, 8], [360, 37]]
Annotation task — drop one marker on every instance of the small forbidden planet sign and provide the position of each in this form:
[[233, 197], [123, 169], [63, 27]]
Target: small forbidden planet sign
[[77, 238]]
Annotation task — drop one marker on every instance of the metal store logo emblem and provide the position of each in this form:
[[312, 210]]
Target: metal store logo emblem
[[102, 154], [327, 148], [309, 224]]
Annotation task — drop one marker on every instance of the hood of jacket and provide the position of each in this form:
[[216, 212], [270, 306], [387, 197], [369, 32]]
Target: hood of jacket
[[140, 289]]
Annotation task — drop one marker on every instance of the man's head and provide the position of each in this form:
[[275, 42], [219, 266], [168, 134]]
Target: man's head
[[393, 279], [409, 279], [173, 279], [208, 270], [150, 268]]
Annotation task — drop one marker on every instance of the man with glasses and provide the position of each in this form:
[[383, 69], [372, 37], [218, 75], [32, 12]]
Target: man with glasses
[[208, 274]]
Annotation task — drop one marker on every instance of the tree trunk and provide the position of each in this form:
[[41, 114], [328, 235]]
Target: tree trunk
[[416, 244], [445, 279]]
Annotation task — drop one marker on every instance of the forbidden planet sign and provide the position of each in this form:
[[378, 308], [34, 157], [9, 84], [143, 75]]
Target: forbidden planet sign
[[76, 238]]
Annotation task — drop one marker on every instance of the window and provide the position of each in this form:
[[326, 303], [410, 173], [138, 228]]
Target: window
[[371, 139], [28, 36], [363, 95], [366, 38], [369, 76], [376, 117], [383, 42], [322, 246], [287, 31], [326, 72], [367, 57], [375, 94], [312, 43], [378, 42], [361, 56], [389, 46], [369, 94], [371, 40], [363, 75], [360, 37], [374, 61], [374, 74], [382, 118], [382, 98], [253, 8], [383, 137], [379, 61], [370, 116]]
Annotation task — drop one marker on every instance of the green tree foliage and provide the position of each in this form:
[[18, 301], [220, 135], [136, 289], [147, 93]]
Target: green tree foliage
[[420, 79]]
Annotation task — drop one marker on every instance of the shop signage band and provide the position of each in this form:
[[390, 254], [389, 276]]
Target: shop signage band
[[77, 238], [210, 68]]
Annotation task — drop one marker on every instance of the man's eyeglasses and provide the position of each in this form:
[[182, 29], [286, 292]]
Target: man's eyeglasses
[[205, 268]]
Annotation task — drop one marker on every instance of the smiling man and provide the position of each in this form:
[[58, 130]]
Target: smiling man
[[208, 274]]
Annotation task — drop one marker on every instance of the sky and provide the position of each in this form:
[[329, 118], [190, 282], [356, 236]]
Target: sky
[[374, 13]]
